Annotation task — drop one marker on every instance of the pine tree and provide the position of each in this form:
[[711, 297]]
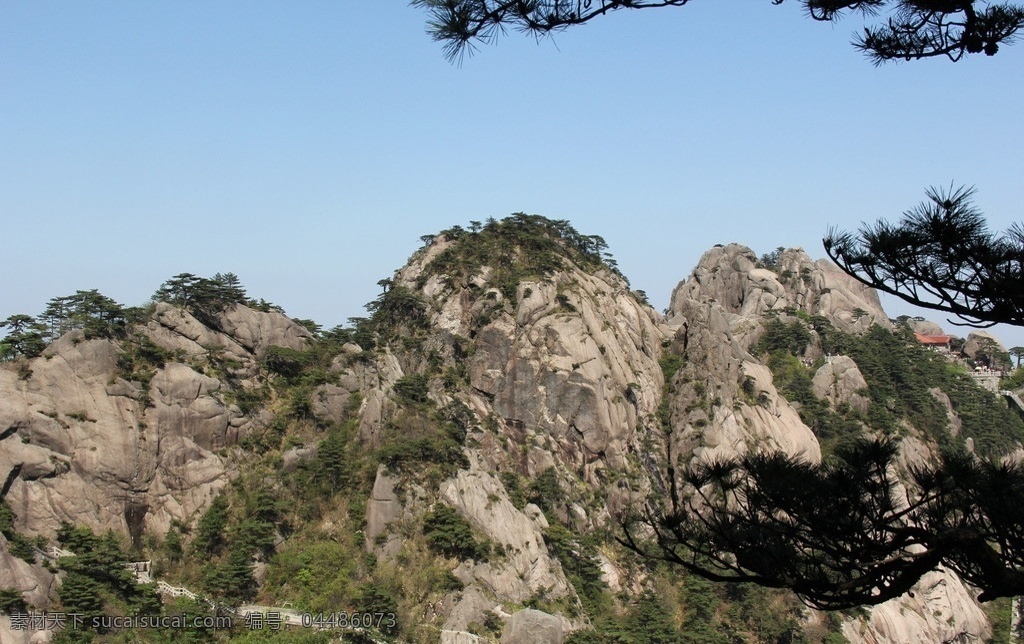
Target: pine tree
[[24, 337], [912, 29], [209, 538], [940, 256], [80, 593]]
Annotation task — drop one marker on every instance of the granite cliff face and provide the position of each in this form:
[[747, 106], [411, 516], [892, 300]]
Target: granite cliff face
[[552, 371], [725, 300], [733, 277], [569, 365], [719, 313], [564, 371], [88, 440], [724, 401]]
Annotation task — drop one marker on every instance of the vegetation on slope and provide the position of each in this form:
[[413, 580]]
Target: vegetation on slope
[[899, 373], [302, 525], [517, 248]]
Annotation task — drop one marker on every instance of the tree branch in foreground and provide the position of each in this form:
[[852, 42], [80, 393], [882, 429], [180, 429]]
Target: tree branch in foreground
[[843, 533], [915, 29], [940, 256]]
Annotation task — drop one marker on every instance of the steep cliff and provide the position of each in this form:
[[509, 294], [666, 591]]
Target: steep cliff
[[124, 435], [727, 300], [724, 402]]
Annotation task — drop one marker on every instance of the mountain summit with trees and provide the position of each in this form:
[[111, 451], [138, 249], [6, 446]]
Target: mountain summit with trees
[[759, 517]]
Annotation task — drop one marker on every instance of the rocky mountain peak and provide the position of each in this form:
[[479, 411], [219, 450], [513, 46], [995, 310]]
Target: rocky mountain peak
[[786, 279], [502, 253], [558, 346]]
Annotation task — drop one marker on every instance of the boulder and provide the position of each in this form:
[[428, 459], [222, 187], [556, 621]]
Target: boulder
[[259, 330], [924, 327], [840, 381], [531, 626], [979, 341]]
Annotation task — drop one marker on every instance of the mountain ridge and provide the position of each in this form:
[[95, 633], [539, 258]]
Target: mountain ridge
[[538, 397]]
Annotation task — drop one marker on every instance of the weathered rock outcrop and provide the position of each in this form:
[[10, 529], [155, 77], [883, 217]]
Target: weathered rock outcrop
[[955, 424], [723, 401], [383, 509], [557, 373], [840, 381], [527, 567], [982, 342], [82, 442], [731, 276], [530, 626], [941, 610], [571, 364], [35, 583], [924, 327]]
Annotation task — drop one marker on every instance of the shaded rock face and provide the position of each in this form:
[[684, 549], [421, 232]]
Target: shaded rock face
[[730, 276], [35, 583], [83, 444], [955, 424], [723, 402], [470, 605]]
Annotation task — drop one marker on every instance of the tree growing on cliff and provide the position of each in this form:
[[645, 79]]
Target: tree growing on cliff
[[94, 313], [204, 297], [990, 353], [912, 29]]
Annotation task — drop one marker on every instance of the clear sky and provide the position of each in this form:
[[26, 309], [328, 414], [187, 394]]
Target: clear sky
[[307, 146]]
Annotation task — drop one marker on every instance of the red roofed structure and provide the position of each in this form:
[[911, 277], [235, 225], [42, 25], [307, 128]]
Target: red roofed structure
[[940, 342]]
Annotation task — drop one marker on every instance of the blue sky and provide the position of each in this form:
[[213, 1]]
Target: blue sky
[[307, 146]]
